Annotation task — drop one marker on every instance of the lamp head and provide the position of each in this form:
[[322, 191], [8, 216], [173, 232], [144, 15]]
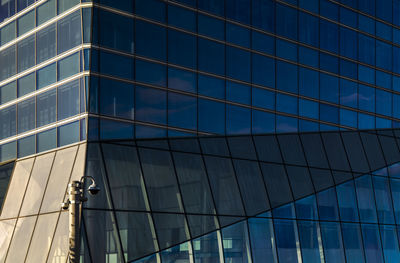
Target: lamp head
[[93, 189]]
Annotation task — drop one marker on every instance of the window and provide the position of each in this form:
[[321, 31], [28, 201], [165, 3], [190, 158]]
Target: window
[[329, 39], [46, 108], [8, 121], [182, 111], [26, 115], [238, 64], [26, 53], [8, 92], [286, 21], [182, 49], [263, 14], [46, 43], [68, 66], [308, 29], [237, 120], [151, 105], [213, 6], [286, 77], [69, 32], [68, 100], [145, 44], [211, 56]]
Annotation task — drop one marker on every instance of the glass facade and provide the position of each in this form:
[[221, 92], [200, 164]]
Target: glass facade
[[218, 130]]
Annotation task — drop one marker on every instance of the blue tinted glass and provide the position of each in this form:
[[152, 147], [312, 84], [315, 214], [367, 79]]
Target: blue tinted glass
[[238, 92], [348, 43], [26, 85], [236, 243], [212, 87], [384, 10], [286, 124], [263, 98], [348, 17], [286, 233], [46, 76], [69, 32], [306, 208], [26, 53], [329, 113], [68, 100], [263, 70], [372, 244], [348, 69], [390, 243], [181, 17], [365, 23], [206, 248], [263, 14], [395, 187], [348, 93], [68, 133], [384, 55], [46, 110], [151, 105], [366, 49], [151, 73], [211, 56], [383, 31], [329, 88], [347, 202], [263, 43], [327, 205], [329, 63], [182, 80], [286, 50], [262, 122], [332, 240], [384, 79], [329, 9], [366, 121], [69, 66], [286, 21], [383, 102], [213, 6], [210, 26], [46, 140], [122, 5], [211, 116], [237, 64], [26, 146], [309, 83], [153, 9], [237, 120], [353, 243], [365, 198], [182, 49], [115, 130], [308, 57], [149, 132], [45, 43], [262, 236], [366, 98], [26, 115], [308, 29], [329, 39], [308, 109], [238, 10], [287, 104], [286, 211], [348, 118], [383, 200], [182, 111], [309, 241], [237, 35], [8, 120], [310, 5], [145, 44], [286, 77], [116, 98]]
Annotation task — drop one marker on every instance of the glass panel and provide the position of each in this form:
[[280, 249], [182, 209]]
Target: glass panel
[[310, 241], [59, 248], [69, 31], [390, 243], [17, 187], [26, 53], [277, 184], [117, 101], [160, 179], [68, 100], [306, 208], [235, 240], [125, 177], [46, 11], [7, 63], [214, 146], [291, 148], [20, 241], [46, 76], [335, 151], [35, 190], [8, 92], [322, 178], [25, 85], [6, 231], [355, 152], [137, 234], [383, 200], [300, 181], [372, 244], [251, 186], [314, 150], [200, 224], [46, 108], [365, 198], [5, 176], [224, 186], [46, 140], [26, 115], [46, 43], [373, 150], [287, 240], [327, 205], [262, 240], [59, 178], [353, 243], [68, 133], [68, 66], [42, 238], [193, 182], [347, 202], [8, 121], [395, 189], [389, 147], [207, 249], [171, 229], [26, 23], [332, 240]]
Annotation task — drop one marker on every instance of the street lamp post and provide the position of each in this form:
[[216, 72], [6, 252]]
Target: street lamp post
[[75, 199]]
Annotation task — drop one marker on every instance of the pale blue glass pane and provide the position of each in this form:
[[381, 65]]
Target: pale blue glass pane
[[8, 120], [26, 23], [46, 76], [383, 200], [46, 108], [390, 243], [26, 53], [286, 240], [7, 33], [26, 84], [68, 66], [68, 133], [262, 240], [365, 198], [395, 187], [332, 241], [7, 62], [68, 100], [8, 151], [372, 244], [353, 243], [26, 115], [327, 205], [309, 235], [206, 249], [306, 208], [46, 11], [26, 146], [347, 202], [46, 140], [69, 31], [46, 43], [176, 254], [64, 5], [236, 243]]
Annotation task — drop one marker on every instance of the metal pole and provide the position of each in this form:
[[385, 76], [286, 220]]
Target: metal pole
[[74, 191]]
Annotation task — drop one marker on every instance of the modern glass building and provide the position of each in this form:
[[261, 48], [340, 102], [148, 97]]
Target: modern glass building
[[218, 130]]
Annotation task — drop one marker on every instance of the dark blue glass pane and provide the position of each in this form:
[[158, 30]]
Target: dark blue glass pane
[[310, 241], [213, 6], [238, 93], [287, 104], [306, 208], [152, 9], [151, 73], [182, 49], [116, 98], [353, 243], [182, 80], [287, 50], [237, 64], [390, 243], [327, 205], [395, 188], [237, 35], [308, 29], [145, 44], [211, 116], [151, 105], [383, 200], [365, 198], [210, 26], [262, 236], [116, 65], [181, 17], [211, 56], [372, 244], [309, 83], [263, 98], [236, 243], [263, 14], [347, 202], [286, 77], [212, 87], [115, 130], [262, 42], [238, 10], [332, 240], [286, 233], [286, 21], [263, 70], [182, 111], [237, 120], [263, 122]]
